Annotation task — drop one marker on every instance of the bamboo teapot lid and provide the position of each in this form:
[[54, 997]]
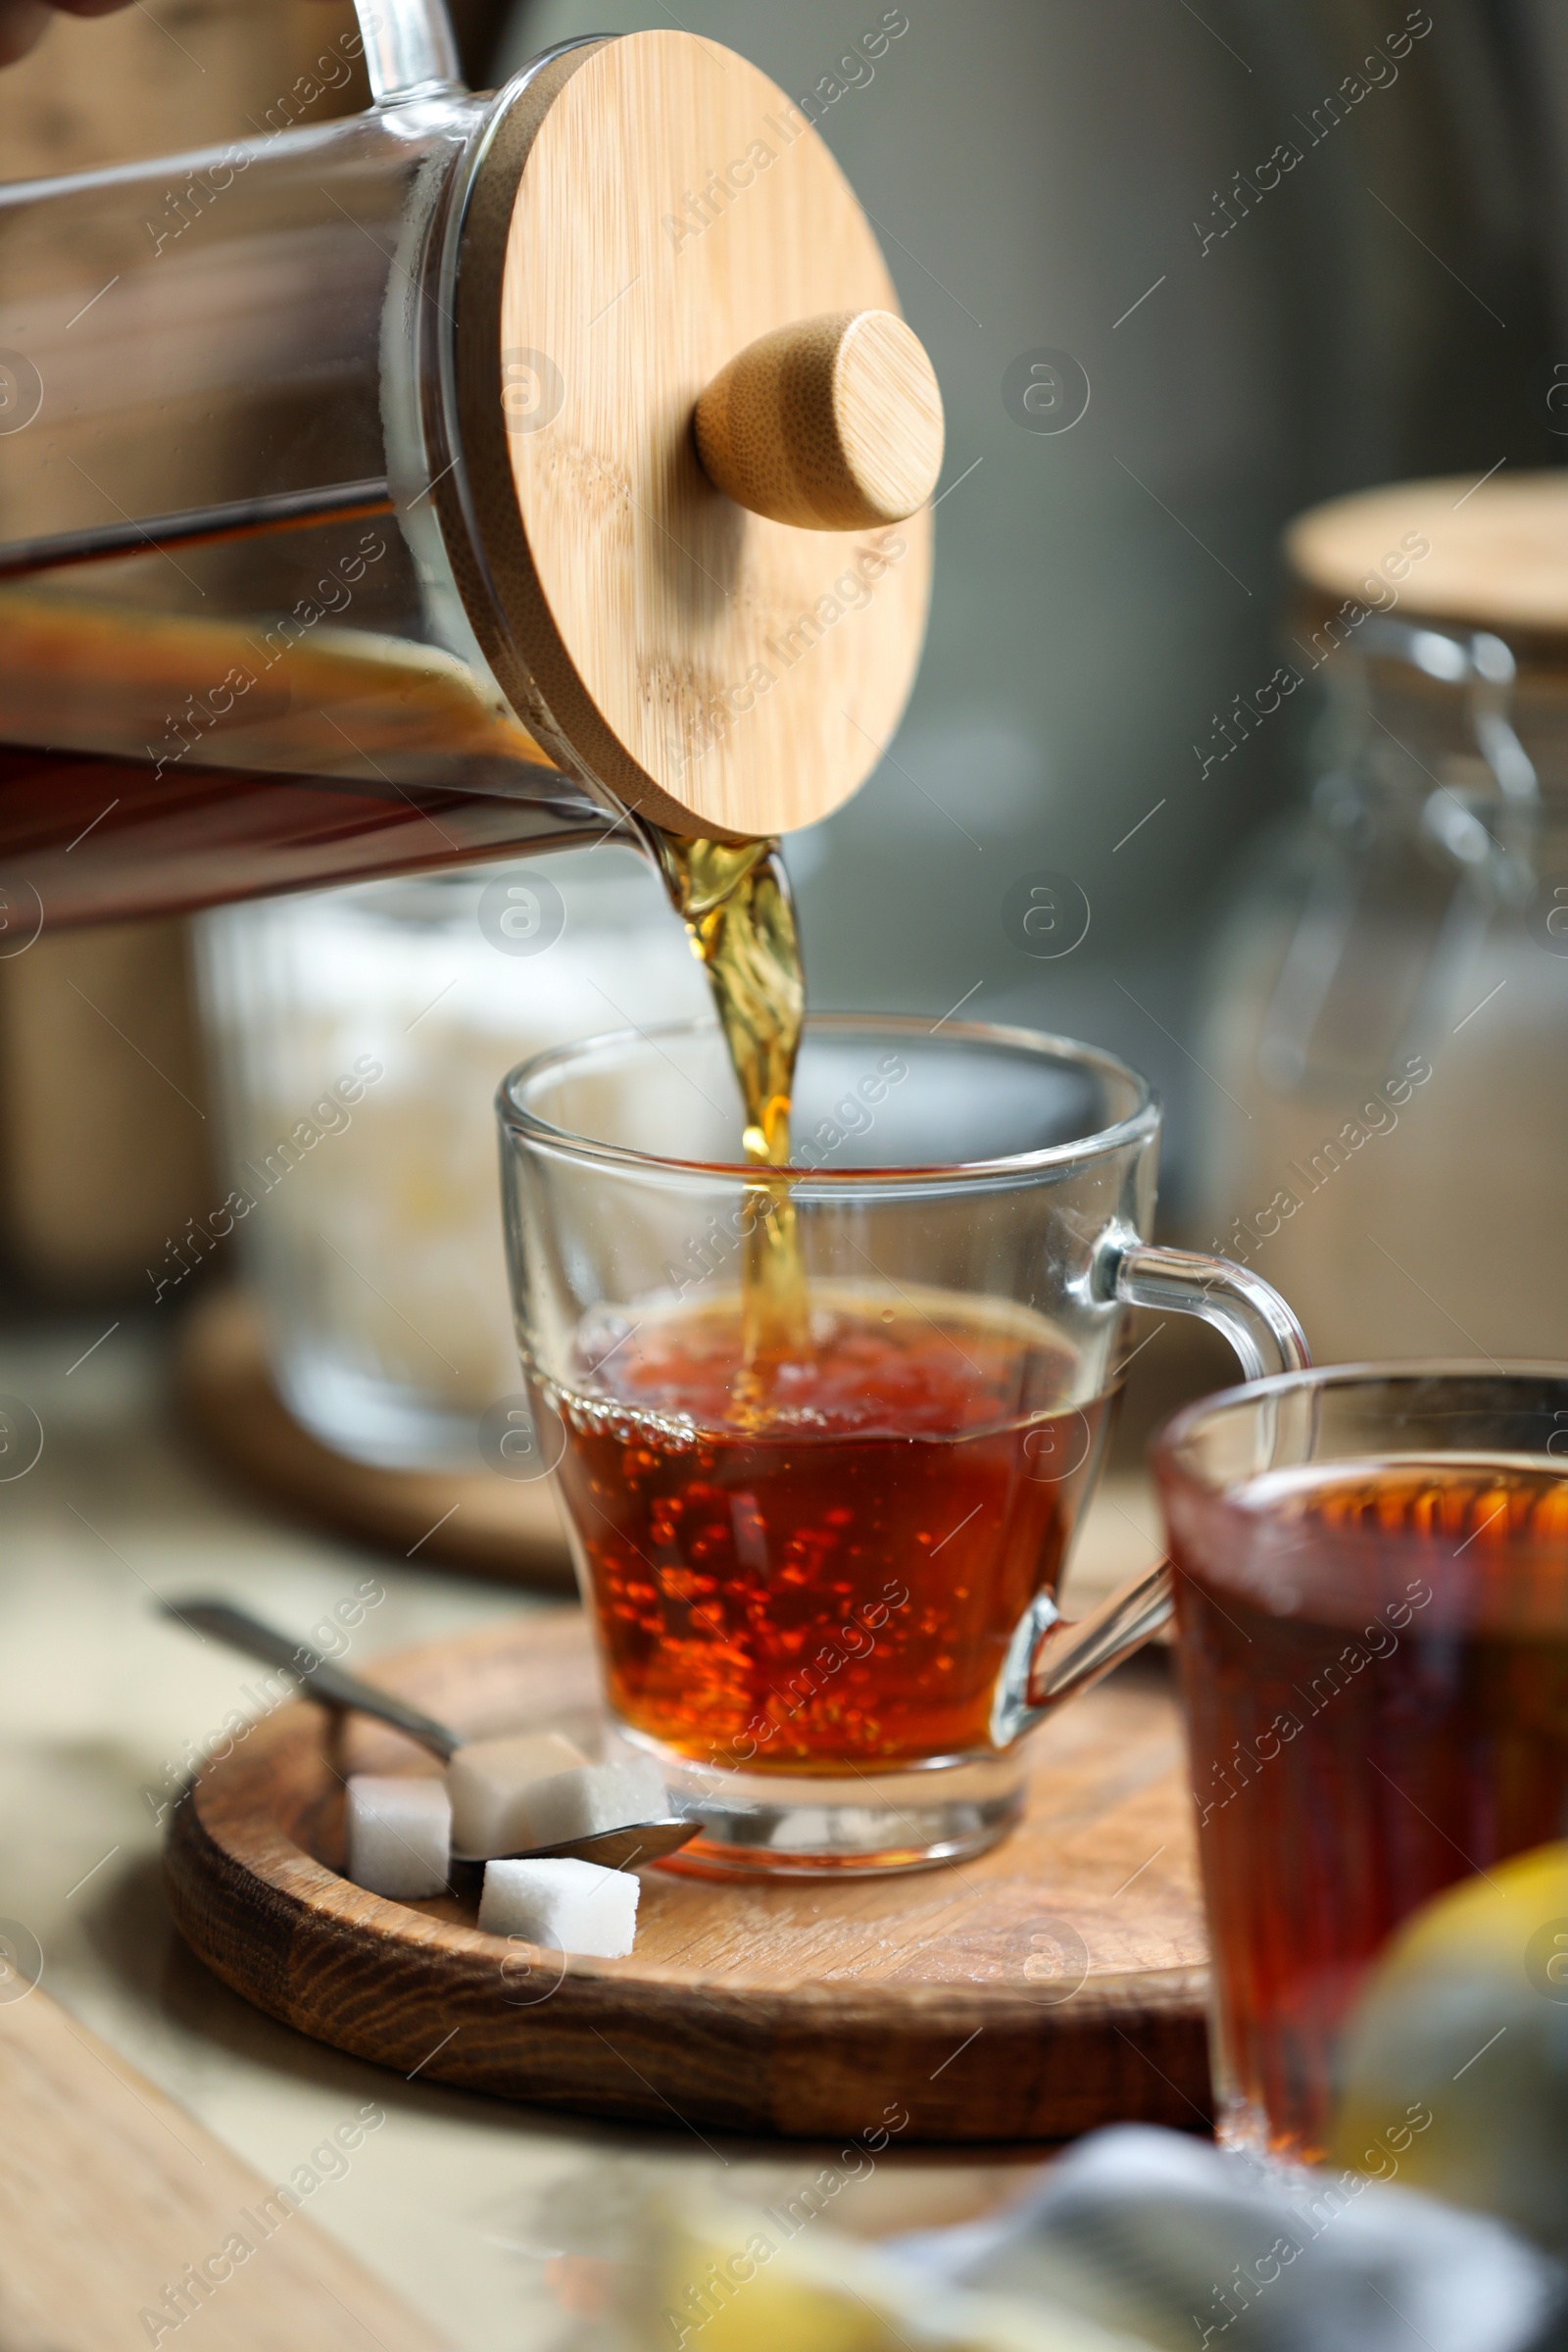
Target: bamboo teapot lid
[[698, 443]]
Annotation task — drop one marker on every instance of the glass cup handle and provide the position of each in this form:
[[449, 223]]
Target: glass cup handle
[[1252, 1314], [1065, 1658], [409, 49]]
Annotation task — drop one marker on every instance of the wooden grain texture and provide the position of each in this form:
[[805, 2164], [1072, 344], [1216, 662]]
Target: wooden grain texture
[[483, 1524], [110, 2194], [832, 425], [804, 2008], [1495, 558], [649, 208]]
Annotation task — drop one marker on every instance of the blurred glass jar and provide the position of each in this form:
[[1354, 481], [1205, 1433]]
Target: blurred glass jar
[[1387, 1011], [358, 1037]]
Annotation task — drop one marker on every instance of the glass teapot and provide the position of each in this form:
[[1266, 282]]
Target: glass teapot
[[458, 477]]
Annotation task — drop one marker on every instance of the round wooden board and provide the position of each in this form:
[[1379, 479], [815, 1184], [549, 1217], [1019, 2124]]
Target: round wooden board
[[488, 1525], [813, 2008]]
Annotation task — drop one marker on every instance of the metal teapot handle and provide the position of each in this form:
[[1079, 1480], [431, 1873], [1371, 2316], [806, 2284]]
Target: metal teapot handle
[[409, 49]]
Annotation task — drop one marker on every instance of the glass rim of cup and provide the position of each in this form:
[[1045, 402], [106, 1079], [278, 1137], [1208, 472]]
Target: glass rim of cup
[[1138, 1124], [1171, 1453]]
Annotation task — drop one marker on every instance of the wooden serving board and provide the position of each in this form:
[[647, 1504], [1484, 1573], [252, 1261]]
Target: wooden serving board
[[1054, 1983], [110, 2193]]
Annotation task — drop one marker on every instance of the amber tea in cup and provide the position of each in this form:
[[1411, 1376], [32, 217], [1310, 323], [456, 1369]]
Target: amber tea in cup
[[1372, 1610], [845, 1576], [820, 1546]]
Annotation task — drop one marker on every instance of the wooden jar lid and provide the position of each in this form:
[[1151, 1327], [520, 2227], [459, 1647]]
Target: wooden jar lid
[[647, 209], [1492, 558]]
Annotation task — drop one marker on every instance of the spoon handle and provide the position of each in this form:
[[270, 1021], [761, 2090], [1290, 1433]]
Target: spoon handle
[[317, 1677]]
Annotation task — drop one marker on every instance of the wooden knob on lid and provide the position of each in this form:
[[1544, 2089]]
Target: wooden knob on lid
[[833, 424]]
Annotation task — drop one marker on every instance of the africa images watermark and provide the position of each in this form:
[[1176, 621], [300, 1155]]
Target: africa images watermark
[[699, 208], [328, 1115], [719, 705], [853, 1114], [1377, 1641], [1380, 594], [776, 2224], [1236, 2294], [851, 1641], [331, 1639], [201, 714], [1377, 1115], [185, 205], [1380, 70], [199, 2282]]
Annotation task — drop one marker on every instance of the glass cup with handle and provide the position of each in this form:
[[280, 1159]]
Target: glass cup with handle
[[1372, 1631], [821, 1553]]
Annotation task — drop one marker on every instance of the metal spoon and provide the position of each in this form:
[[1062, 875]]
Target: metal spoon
[[613, 1849]]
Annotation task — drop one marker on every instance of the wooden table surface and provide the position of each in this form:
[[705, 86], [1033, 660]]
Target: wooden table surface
[[491, 2221], [121, 2216]]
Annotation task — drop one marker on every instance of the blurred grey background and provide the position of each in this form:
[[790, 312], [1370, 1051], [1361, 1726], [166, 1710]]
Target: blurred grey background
[[1037, 169]]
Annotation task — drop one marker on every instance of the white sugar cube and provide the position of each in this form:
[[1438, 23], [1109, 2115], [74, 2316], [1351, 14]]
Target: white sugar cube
[[483, 1780], [400, 1834], [566, 1906], [509, 1796]]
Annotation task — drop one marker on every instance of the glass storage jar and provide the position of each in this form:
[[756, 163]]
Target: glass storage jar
[[1387, 1015], [358, 1037]]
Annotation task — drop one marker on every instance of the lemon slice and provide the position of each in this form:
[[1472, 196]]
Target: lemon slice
[[1455, 2060]]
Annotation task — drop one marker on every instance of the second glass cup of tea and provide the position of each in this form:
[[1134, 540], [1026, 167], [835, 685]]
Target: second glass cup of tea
[[1372, 1632], [823, 1433]]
